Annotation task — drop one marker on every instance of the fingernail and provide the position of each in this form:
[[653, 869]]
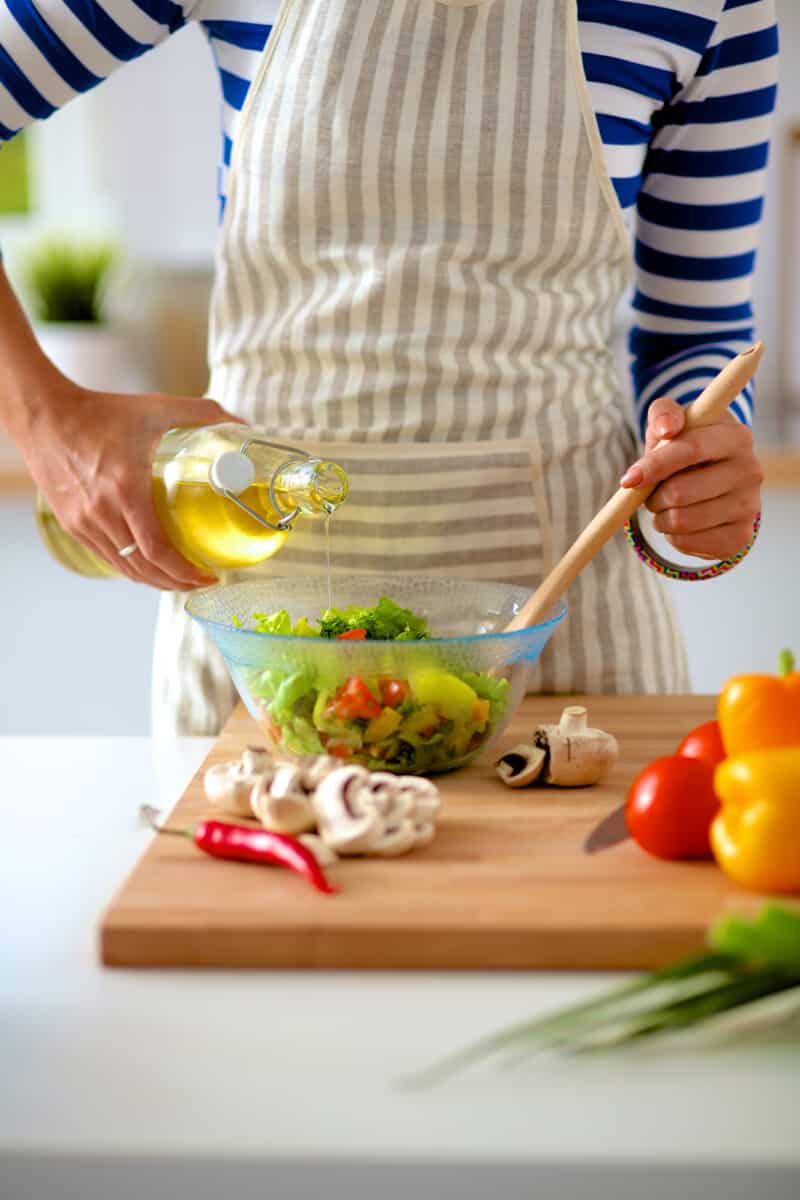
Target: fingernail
[[632, 477], [663, 429]]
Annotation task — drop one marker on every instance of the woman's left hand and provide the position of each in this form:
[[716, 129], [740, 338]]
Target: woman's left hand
[[707, 481]]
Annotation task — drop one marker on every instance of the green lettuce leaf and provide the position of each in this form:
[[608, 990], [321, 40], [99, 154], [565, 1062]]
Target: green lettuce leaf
[[276, 623], [384, 621]]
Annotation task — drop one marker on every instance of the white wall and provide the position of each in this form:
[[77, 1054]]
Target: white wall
[[136, 157], [771, 259]]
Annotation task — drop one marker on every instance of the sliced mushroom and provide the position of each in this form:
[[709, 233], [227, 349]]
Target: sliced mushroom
[[420, 798], [362, 812], [343, 821], [317, 767], [322, 852], [256, 759], [282, 801], [521, 765]]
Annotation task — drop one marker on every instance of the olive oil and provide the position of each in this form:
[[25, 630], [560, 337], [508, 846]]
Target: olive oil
[[67, 550], [211, 532], [225, 498], [328, 558]]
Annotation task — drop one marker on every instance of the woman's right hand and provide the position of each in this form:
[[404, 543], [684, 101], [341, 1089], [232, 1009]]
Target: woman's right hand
[[90, 454]]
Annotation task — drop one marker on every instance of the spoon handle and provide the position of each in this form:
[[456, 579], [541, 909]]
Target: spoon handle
[[705, 410]]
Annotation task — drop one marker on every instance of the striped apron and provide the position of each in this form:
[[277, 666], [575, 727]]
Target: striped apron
[[418, 271]]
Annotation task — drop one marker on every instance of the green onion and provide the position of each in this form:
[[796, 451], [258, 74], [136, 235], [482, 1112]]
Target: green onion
[[749, 961]]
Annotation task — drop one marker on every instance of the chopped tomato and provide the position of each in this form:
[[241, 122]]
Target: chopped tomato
[[338, 749], [393, 692], [354, 700], [272, 730], [352, 635]]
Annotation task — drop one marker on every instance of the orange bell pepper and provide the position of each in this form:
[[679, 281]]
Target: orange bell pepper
[[759, 712], [756, 835]]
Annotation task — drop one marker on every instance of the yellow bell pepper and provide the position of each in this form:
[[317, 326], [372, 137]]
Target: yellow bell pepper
[[758, 712], [756, 835], [383, 726]]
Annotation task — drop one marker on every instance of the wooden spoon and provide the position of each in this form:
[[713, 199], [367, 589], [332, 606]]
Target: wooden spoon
[[705, 410]]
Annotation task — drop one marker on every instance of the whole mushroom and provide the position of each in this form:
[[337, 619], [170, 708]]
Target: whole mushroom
[[229, 785], [569, 754], [282, 799], [282, 802]]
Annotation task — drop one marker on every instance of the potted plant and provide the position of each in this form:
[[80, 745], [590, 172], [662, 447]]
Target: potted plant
[[67, 288]]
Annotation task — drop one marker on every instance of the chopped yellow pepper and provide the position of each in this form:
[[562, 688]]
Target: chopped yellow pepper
[[756, 835], [424, 721], [383, 726]]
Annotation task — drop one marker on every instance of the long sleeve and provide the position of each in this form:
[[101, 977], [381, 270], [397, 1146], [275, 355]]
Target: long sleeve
[[53, 50], [684, 102]]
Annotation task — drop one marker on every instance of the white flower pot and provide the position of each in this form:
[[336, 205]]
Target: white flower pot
[[100, 357]]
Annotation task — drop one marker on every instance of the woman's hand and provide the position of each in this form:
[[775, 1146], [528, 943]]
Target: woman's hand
[[90, 454], [707, 481]]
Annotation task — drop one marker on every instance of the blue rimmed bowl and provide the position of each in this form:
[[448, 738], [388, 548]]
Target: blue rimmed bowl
[[416, 707]]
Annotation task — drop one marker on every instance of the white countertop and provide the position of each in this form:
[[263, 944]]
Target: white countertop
[[119, 1083]]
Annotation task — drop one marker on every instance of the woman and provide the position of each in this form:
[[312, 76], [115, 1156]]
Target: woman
[[423, 248]]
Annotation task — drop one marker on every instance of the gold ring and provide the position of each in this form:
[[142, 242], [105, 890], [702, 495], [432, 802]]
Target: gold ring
[[127, 551]]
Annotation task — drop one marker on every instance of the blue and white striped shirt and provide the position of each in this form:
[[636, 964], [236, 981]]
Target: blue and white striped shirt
[[683, 96]]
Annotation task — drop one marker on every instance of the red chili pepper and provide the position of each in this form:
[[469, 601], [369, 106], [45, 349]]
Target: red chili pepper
[[352, 635], [243, 843]]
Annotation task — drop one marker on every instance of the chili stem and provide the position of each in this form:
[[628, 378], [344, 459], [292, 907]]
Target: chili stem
[[151, 816]]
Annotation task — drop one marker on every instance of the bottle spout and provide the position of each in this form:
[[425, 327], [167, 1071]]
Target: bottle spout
[[295, 482], [311, 485], [330, 485]]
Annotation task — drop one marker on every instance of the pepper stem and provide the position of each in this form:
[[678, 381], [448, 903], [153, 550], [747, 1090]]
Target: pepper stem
[[785, 663], [151, 816]]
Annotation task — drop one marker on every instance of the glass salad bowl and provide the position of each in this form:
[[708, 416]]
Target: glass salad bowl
[[410, 706]]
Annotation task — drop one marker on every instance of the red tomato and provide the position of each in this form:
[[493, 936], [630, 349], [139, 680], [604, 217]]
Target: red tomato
[[351, 635], [338, 749], [704, 742], [354, 700], [670, 807], [393, 692]]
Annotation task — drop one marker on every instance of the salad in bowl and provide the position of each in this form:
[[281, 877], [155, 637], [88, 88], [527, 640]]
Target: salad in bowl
[[370, 683]]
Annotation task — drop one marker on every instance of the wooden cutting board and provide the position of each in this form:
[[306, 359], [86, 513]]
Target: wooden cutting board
[[506, 883]]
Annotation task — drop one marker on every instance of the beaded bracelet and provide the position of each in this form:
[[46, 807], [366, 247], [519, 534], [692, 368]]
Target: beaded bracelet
[[651, 558]]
